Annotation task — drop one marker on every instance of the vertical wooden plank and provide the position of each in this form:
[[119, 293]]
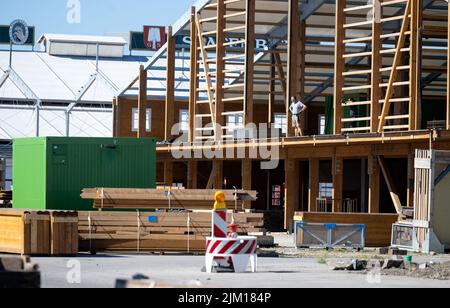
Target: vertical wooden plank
[[142, 99], [448, 71], [338, 183], [292, 192], [410, 185], [220, 65], [115, 124], [247, 178], [192, 178], [301, 73], [170, 86], [292, 74], [249, 60], [339, 65], [374, 185], [377, 28], [193, 73], [313, 186], [217, 174], [415, 65], [168, 173], [272, 90]]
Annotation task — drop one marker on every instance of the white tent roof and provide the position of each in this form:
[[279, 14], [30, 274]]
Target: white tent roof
[[58, 79], [68, 38]]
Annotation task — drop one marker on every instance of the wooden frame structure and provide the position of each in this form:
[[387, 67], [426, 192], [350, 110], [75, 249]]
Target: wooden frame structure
[[364, 64]]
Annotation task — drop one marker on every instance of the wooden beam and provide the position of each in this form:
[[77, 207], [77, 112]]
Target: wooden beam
[[170, 86], [281, 73], [391, 185], [338, 183], [220, 64], [415, 65], [448, 70], [142, 99], [292, 71], [168, 173], [339, 65], [116, 116], [217, 174], [192, 177], [271, 90], [247, 178], [313, 185], [292, 192], [374, 185], [193, 74], [301, 58], [249, 60], [376, 78]]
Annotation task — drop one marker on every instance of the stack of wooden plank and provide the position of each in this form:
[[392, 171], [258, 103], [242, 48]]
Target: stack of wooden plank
[[38, 232], [5, 199], [378, 226], [154, 232], [186, 199]]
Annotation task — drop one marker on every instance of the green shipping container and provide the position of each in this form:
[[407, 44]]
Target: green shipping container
[[49, 173]]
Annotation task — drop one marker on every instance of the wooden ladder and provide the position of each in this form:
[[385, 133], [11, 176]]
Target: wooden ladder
[[379, 116], [230, 70]]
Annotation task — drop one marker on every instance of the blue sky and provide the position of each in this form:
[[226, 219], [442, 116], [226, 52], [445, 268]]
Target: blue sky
[[98, 17]]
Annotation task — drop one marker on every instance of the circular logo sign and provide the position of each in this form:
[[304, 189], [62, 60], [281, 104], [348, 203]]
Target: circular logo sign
[[18, 32]]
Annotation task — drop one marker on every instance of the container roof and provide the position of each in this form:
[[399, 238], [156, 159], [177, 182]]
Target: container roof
[[82, 39]]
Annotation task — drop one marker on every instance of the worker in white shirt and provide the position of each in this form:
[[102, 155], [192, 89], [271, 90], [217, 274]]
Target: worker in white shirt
[[296, 108]]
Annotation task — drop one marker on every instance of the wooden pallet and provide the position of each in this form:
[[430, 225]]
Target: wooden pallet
[[157, 232], [378, 226], [187, 199]]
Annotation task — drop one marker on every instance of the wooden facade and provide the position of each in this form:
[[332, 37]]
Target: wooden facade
[[373, 73]]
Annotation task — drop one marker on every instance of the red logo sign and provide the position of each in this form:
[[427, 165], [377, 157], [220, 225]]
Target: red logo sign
[[154, 37]]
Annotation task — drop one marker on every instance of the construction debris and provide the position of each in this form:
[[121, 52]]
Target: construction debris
[[18, 272], [187, 199]]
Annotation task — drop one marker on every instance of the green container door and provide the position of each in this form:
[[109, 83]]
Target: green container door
[[62, 167]]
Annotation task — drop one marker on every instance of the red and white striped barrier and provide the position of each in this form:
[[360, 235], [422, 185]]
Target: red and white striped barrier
[[219, 223], [237, 252]]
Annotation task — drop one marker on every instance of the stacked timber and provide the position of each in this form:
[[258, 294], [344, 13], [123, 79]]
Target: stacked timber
[[186, 199], [5, 199], [153, 232], [24, 232], [38, 232], [378, 226]]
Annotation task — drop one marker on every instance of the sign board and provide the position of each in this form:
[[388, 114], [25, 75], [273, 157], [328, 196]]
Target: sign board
[[154, 37], [184, 41], [18, 32], [5, 39]]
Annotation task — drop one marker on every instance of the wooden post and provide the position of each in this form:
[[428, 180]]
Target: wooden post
[[272, 90], [168, 173], [220, 65], [338, 183], [374, 185], [292, 192], [339, 65], [170, 86], [313, 190], [301, 73], [142, 99], [217, 174], [411, 176], [115, 109], [415, 65], [247, 178], [192, 178], [249, 60], [292, 74], [193, 83], [376, 80], [448, 70]]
